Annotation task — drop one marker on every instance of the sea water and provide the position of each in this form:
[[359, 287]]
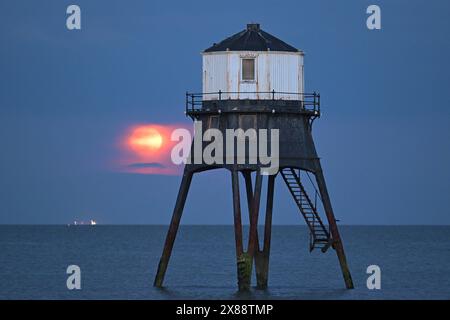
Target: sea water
[[120, 262]]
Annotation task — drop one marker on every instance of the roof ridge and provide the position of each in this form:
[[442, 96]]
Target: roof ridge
[[251, 39]]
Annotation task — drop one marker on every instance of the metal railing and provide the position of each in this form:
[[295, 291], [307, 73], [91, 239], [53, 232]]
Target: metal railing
[[308, 101]]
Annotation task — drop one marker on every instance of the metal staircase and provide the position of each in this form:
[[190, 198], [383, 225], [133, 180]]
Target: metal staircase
[[319, 235]]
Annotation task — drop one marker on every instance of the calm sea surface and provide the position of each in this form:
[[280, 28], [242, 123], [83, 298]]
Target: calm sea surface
[[119, 262]]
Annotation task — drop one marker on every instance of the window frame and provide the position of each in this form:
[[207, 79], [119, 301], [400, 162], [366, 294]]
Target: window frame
[[254, 69]]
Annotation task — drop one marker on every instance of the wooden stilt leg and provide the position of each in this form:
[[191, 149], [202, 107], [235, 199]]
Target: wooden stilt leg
[[262, 257], [172, 232], [249, 189], [337, 242], [254, 213], [253, 235], [243, 263], [245, 259], [258, 253]]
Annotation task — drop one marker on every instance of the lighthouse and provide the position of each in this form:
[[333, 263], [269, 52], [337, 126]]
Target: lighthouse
[[253, 82]]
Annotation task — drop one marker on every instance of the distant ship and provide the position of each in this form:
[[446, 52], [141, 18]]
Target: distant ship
[[83, 223]]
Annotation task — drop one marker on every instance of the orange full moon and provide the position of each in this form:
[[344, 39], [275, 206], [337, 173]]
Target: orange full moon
[[146, 138], [146, 148]]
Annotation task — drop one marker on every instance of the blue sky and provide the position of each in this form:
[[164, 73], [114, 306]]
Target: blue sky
[[66, 96]]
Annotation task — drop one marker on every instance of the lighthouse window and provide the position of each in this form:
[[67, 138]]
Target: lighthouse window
[[248, 69]]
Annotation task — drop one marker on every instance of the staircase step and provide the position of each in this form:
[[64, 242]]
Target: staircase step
[[318, 231]]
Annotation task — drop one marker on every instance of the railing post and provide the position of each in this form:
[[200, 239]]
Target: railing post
[[220, 95], [318, 103], [273, 94], [193, 101], [314, 95], [315, 201], [187, 101]]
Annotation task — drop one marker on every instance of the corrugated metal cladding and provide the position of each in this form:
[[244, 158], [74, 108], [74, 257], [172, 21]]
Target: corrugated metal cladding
[[279, 71]]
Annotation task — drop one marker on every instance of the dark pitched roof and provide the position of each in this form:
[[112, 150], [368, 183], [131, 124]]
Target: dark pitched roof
[[252, 39]]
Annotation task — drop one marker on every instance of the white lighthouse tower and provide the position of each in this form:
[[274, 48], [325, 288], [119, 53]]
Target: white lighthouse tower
[[253, 81]]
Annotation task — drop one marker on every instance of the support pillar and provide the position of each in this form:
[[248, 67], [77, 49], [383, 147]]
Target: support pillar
[[249, 190], [254, 213], [245, 259], [244, 264], [174, 224], [337, 242], [262, 256]]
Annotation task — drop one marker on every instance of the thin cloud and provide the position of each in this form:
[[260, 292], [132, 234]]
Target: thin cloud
[[146, 165]]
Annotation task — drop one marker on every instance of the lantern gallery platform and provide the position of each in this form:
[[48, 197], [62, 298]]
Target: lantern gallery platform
[[267, 102]]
